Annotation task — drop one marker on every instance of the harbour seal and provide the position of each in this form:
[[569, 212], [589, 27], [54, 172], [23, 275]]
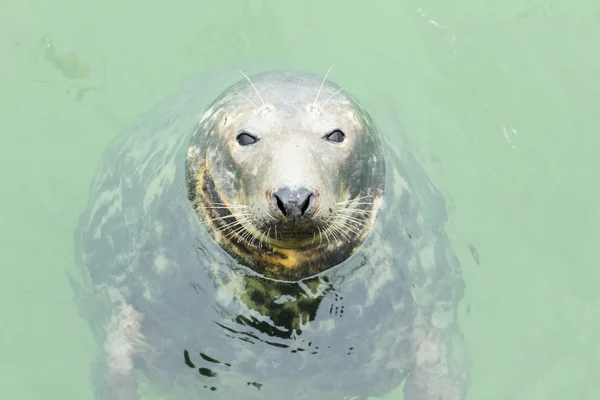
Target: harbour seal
[[270, 244]]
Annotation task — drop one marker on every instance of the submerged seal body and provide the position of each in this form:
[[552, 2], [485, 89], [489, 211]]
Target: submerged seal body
[[269, 244]]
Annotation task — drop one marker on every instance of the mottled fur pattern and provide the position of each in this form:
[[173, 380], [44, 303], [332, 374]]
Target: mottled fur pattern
[[175, 306]]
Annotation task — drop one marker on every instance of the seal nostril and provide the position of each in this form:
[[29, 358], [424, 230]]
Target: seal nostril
[[280, 205], [304, 206], [291, 202]]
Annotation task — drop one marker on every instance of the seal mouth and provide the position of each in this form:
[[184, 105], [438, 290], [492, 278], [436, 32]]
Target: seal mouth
[[293, 239], [294, 234], [295, 227]]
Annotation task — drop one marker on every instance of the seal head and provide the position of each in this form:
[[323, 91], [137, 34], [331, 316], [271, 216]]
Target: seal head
[[287, 170]]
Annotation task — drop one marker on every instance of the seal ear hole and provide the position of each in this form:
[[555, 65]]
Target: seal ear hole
[[246, 139], [336, 136]]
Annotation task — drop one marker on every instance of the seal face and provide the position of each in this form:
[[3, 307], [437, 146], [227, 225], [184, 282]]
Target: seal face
[[287, 171]]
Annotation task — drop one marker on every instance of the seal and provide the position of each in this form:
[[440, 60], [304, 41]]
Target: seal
[[264, 239], [291, 186]]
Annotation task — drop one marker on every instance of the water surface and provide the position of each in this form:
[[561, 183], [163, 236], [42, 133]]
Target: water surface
[[500, 100]]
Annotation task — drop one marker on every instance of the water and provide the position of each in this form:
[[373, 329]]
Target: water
[[499, 99]]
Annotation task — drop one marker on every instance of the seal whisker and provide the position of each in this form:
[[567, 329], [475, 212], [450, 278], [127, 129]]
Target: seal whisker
[[254, 233], [229, 205], [253, 230], [340, 235], [244, 234], [235, 215], [271, 216], [261, 237], [346, 217], [354, 199], [335, 226], [230, 225], [346, 224], [335, 105], [321, 87], [356, 222], [350, 208], [319, 211], [320, 236], [326, 235], [226, 227], [237, 231], [226, 224], [265, 234], [352, 211], [233, 232], [355, 215], [239, 221], [260, 241], [330, 97], [349, 217], [249, 234], [253, 103], [259, 234], [333, 231], [352, 226], [259, 96], [249, 229], [222, 207]]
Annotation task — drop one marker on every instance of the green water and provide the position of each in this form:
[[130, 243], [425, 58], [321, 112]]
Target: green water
[[502, 100]]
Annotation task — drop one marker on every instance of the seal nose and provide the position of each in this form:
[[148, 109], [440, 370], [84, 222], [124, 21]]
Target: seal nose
[[293, 202]]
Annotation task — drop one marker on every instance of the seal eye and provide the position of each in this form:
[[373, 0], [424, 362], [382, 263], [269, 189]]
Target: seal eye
[[245, 139], [336, 136]]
